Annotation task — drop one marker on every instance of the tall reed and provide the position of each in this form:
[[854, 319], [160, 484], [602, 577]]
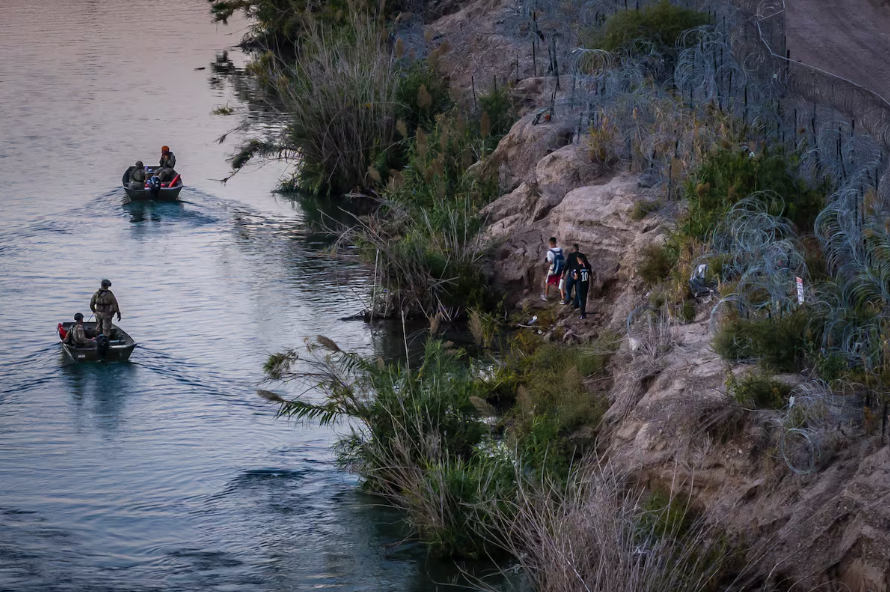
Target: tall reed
[[340, 99]]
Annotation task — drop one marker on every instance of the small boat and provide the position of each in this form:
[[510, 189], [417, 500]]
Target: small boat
[[164, 192], [119, 348]]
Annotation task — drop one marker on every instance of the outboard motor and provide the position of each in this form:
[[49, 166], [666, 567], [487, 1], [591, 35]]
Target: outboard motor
[[154, 185], [102, 345]]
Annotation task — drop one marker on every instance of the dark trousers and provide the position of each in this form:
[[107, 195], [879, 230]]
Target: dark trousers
[[570, 283], [581, 289]]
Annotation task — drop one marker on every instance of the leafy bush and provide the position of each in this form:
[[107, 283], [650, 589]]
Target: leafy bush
[[730, 174], [643, 208], [415, 436], [687, 310], [445, 508], [656, 27], [779, 344], [282, 24], [655, 265], [425, 237], [340, 98], [757, 390], [496, 107], [551, 400], [422, 95]]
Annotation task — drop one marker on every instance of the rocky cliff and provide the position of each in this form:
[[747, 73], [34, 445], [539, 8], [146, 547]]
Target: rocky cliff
[[671, 421], [812, 508]]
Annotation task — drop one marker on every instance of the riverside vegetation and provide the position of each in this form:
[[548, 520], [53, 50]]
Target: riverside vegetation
[[367, 114], [497, 456]]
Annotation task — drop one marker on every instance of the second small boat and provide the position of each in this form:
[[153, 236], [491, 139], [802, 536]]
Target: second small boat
[[119, 347], [153, 188]]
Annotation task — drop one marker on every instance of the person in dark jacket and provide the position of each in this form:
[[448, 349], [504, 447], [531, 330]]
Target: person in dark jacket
[[104, 305], [168, 159], [582, 275], [571, 265]]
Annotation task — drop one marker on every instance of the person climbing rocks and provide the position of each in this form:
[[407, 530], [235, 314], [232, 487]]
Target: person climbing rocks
[[104, 306], [556, 262], [571, 266], [77, 334], [582, 274]]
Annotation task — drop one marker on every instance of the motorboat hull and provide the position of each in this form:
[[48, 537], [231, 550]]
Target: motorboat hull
[[165, 194], [145, 194], [119, 349]]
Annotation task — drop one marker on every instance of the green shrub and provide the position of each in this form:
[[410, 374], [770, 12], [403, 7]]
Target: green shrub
[[425, 237], [282, 24], [730, 174], [779, 344], [422, 95], [552, 400], [830, 366], [757, 390], [445, 508], [655, 264], [656, 27], [687, 310], [496, 107], [643, 208], [340, 99], [666, 515]]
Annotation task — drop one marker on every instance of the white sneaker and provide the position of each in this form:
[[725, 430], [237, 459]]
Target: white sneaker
[[544, 298]]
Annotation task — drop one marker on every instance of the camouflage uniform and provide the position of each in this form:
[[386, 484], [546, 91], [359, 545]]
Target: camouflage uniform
[[167, 175], [168, 161], [104, 305], [137, 178], [78, 337]]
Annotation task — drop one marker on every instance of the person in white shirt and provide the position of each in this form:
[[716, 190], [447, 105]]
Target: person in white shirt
[[556, 262]]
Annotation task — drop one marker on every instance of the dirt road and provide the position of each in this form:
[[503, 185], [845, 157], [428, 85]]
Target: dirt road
[[849, 38]]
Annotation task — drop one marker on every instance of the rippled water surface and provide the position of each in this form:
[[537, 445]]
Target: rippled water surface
[[168, 472]]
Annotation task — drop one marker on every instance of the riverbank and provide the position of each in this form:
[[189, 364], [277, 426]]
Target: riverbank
[[662, 164]]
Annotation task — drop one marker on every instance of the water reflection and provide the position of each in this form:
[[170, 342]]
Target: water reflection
[[99, 392], [208, 287], [153, 211]]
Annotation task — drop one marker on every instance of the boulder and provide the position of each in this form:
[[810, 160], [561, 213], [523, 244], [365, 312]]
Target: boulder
[[516, 158], [597, 217]]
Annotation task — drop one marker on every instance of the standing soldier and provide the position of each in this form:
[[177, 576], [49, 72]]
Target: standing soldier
[[104, 305]]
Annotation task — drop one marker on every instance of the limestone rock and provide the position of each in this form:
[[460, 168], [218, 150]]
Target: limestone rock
[[518, 153]]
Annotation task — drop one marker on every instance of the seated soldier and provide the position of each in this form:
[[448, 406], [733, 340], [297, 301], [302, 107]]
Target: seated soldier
[[137, 176], [167, 175], [168, 159], [77, 336]]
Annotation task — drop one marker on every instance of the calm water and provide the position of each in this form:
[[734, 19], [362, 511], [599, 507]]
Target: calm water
[[167, 473]]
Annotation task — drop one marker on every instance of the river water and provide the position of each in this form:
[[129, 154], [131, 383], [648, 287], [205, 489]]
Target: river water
[[168, 472]]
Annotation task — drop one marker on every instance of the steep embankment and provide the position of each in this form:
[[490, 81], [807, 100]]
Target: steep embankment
[[671, 420]]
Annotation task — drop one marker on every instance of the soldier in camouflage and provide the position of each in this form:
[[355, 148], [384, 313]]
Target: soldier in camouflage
[[77, 336], [104, 305], [137, 176]]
